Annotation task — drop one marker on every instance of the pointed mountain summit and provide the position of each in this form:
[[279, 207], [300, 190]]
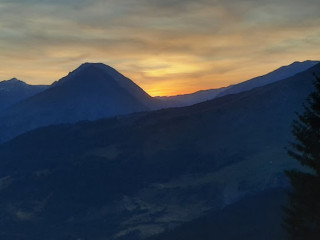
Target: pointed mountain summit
[[90, 92], [110, 92], [15, 90]]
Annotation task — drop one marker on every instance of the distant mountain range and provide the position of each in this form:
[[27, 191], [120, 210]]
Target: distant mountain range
[[130, 177], [14, 90], [95, 91], [201, 96], [192, 98]]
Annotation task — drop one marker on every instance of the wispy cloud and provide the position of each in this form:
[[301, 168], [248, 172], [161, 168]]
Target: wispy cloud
[[167, 47]]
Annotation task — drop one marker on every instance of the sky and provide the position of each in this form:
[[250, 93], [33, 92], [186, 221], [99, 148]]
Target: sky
[[166, 47]]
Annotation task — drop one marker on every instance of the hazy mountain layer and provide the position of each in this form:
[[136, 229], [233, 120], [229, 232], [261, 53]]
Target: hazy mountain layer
[[192, 98], [278, 74], [14, 90], [201, 96]]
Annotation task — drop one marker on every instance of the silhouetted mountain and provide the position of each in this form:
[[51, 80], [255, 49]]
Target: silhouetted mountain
[[279, 74], [133, 176], [192, 98], [92, 91], [14, 90], [201, 96]]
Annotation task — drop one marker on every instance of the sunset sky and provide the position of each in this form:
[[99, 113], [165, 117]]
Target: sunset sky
[[166, 47]]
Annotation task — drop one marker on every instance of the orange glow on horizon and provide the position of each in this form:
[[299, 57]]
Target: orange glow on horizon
[[163, 80], [185, 47]]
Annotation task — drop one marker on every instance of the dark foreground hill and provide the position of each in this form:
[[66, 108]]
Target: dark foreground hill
[[91, 92], [255, 217], [134, 176]]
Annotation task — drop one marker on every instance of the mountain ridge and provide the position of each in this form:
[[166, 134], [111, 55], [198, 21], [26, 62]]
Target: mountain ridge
[[170, 166], [205, 95], [274, 76], [96, 90], [14, 90], [90, 92]]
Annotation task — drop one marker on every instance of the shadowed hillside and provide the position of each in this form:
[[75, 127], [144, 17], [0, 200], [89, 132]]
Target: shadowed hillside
[[138, 175], [257, 217]]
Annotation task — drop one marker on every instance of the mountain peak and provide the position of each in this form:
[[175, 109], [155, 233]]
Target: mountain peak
[[12, 83], [89, 64], [306, 63], [89, 68], [96, 65], [95, 74], [13, 80]]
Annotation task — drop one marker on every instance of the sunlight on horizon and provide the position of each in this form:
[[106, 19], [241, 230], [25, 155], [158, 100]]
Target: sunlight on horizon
[[167, 48]]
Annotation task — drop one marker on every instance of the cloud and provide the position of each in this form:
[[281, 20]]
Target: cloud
[[157, 42]]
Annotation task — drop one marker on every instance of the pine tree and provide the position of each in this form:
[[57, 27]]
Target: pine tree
[[303, 214]]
